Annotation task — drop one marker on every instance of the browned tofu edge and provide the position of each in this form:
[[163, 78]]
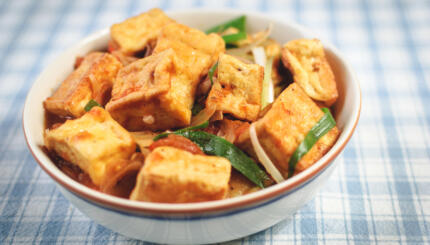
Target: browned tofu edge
[[154, 187], [320, 83], [64, 148], [273, 145]]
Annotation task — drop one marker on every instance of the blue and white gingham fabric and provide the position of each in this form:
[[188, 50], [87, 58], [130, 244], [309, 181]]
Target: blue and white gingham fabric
[[379, 194]]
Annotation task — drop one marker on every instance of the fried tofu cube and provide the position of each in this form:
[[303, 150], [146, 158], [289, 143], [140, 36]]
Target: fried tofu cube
[[172, 175], [307, 62], [157, 92], [284, 127], [93, 79], [133, 34], [238, 88], [150, 94], [94, 142], [197, 50]]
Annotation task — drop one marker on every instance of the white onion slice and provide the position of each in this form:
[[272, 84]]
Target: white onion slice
[[259, 56], [270, 89], [258, 39], [203, 116], [267, 92], [263, 157], [143, 138]]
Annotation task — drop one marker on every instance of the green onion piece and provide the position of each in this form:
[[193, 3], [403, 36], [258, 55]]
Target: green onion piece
[[91, 104], [214, 145], [212, 71], [232, 38], [267, 90], [217, 146], [200, 126], [197, 107], [325, 124], [238, 23], [230, 45]]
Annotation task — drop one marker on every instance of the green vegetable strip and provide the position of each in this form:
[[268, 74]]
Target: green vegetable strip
[[238, 23], [267, 81], [214, 145], [203, 125], [325, 124], [91, 104], [212, 71], [232, 38], [197, 107]]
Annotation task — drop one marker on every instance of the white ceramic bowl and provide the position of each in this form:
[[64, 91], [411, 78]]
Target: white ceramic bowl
[[205, 222]]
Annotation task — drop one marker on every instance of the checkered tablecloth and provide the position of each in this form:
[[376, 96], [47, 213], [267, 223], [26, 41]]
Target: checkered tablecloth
[[379, 194]]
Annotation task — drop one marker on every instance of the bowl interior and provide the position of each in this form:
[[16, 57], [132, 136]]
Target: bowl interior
[[346, 108]]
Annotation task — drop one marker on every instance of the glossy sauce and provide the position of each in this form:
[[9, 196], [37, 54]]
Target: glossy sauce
[[70, 169]]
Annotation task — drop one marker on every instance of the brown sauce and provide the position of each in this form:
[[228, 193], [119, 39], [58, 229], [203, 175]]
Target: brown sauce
[[122, 187], [70, 169], [52, 121]]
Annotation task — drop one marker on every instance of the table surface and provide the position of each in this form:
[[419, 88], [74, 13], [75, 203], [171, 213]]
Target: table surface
[[380, 193]]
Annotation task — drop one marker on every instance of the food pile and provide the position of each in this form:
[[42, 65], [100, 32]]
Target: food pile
[[172, 114]]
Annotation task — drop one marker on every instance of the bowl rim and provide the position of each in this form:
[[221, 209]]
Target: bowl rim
[[211, 206]]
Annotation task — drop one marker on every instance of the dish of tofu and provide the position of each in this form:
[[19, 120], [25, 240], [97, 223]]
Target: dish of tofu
[[171, 114]]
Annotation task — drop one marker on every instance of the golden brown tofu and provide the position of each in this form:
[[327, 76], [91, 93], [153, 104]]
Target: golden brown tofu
[[197, 50], [93, 79], [307, 62], [133, 34], [284, 127], [157, 92], [95, 142], [239, 185], [238, 88], [152, 94], [172, 175]]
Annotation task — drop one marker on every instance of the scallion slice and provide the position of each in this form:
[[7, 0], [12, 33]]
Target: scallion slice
[[259, 56], [217, 146], [323, 126], [267, 95], [212, 71], [203, 125], [197, 107], [232, 38], [91, 104], [238, 23]]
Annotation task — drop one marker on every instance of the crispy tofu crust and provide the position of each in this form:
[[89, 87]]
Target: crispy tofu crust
[[133, 34], [197, 50], [284, 127], [152, 88], [162, 86], [93, 79], [238, 89], [306, 60], [172, 175], [95, 142]]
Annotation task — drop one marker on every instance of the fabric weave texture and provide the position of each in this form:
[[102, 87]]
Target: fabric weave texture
[[380, 192]]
